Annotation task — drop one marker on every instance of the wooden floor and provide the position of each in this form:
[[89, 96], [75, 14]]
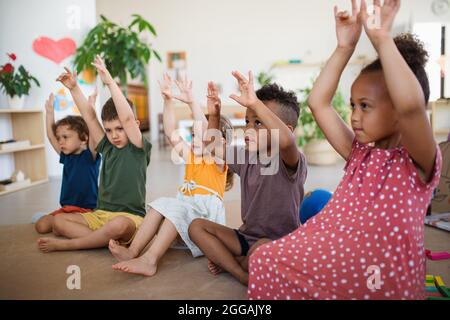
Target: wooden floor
[[26, 273]]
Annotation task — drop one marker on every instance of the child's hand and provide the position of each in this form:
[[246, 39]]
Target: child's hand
[[185, 87], [248, 96], [348, 27], [49, 104], [166, 87], [213, 101], [68, 79], [104, 74], [384, 16]]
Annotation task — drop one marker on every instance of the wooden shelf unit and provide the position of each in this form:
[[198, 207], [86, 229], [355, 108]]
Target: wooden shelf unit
[[28, 124], [440, 108]]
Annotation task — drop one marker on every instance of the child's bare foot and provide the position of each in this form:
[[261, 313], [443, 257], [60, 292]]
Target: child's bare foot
[[50, 244], [142, 265], [214, 268], [119, 252]]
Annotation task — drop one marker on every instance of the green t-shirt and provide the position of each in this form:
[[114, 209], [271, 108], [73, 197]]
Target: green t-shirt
[[123, 177]]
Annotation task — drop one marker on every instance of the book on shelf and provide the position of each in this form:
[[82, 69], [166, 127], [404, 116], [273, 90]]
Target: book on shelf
[[13, 144], [8, 185]]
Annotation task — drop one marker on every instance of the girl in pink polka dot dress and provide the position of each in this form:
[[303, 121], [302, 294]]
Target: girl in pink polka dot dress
[[368, 241]]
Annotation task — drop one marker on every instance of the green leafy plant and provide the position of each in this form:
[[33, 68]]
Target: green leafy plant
[[121, 48], [306, 120], [15, 82], [264, 77]]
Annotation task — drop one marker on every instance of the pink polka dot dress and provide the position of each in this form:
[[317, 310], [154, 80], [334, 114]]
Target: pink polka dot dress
[[367, 242]]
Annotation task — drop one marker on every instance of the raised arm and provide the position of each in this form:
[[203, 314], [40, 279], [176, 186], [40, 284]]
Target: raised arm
[[214, 139], [92, 144], [186, 96], [348, 32], [287, 143], [49, 121], [415, 128], [69, 80], [170, 127], [124, 111]]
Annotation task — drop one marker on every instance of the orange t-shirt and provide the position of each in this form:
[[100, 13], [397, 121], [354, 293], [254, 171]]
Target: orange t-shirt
[[205, 172]]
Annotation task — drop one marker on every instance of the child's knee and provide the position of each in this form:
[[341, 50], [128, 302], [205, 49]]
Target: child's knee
[[44, 224], [196, 226], [58, 224], [120, 226]]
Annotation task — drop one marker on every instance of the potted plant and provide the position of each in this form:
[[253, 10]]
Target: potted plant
[[16, 82], [265, 77], [316, 148], [122, 49]]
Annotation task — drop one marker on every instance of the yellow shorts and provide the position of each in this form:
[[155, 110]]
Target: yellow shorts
[[99, 218]]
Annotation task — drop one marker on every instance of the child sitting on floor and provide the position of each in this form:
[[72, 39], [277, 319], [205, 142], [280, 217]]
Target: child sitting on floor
[[368, 241], [201, 194], [271, 186], [126, 155], [70, 139]]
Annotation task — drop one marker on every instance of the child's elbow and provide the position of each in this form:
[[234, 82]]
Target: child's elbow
[[312, 102], [288, 142]]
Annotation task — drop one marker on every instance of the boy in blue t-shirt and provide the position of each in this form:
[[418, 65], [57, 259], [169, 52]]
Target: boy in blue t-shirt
[[70, 139]]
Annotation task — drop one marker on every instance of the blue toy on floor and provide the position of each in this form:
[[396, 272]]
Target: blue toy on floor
[[313, 203]]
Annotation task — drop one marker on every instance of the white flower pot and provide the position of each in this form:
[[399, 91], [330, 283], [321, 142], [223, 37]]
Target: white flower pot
[[16, 102], [320, 152]]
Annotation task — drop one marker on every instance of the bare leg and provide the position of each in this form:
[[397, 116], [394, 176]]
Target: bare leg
[[70, 225], [145, 234], [147, 264], [215, 269], [244, 261], [119, 228], [44, 224], [220, 245]]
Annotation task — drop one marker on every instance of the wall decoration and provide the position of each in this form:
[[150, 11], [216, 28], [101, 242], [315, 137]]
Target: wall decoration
[[63, 101], [55, 51]]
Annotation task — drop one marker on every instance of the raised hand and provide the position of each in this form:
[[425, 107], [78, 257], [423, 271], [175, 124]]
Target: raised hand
[[213, 101], [248, 96], [379, 23], [185, 87], [348, 27], [102, 71], [49, 104], [68, 79], [166, 87]]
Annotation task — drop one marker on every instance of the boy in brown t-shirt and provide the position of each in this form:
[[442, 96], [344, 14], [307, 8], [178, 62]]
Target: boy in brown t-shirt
[[272, 172]]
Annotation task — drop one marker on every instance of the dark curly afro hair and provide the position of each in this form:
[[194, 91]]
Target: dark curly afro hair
[[415, 55], [289, 110]]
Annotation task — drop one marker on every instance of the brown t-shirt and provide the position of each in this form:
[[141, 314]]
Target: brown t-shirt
[[270, 194]]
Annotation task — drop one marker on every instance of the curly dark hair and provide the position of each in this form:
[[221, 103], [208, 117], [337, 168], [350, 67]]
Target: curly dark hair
[[75, 123], [289, 110], [415, 55], [109, 112]]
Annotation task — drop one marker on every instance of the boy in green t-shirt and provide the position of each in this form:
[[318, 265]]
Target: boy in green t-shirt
[[126, 155]]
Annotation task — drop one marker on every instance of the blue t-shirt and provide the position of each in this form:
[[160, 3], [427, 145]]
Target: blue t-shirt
[[80, 179]]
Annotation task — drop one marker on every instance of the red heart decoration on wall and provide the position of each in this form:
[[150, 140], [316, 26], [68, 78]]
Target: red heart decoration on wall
[[55, 51]]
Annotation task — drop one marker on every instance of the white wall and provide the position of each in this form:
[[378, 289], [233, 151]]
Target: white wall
[[220, 36], [22, 22]]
